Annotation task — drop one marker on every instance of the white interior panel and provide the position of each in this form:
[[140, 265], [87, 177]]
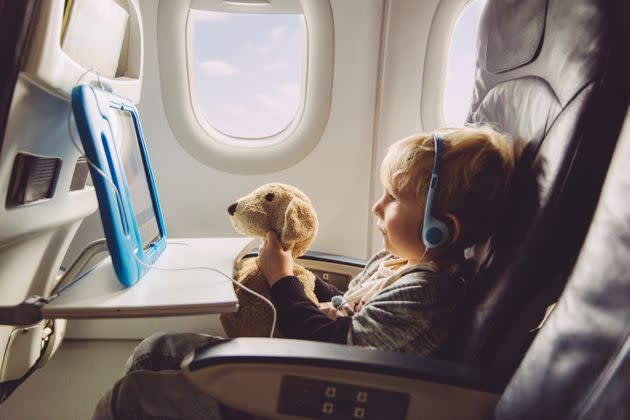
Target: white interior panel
[[382, 60], [34, 236], [406, 33], [335, 175], [219, 150], [54, 70]]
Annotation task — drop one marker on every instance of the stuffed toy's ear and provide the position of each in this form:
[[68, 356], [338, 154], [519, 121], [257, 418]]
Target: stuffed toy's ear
[[300, 226]]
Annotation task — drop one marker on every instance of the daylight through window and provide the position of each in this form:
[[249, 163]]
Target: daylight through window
[[460, 70], [247, 71]]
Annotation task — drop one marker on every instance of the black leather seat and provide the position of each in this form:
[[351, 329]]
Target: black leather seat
[[578, 367], [554, 74]]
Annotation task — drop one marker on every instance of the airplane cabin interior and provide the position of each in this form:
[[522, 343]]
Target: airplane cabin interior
[[136, 136]]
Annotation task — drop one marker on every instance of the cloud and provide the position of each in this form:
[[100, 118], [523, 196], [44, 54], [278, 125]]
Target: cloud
[[217, 68], [235, 109], [277, 64], [290, 90], [263, 49], [259, 48], [277, 32], [268, 102], [208, 16]]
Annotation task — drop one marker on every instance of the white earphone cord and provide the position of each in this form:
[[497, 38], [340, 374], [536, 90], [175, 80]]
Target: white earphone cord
[[338, 304], [126, 227]]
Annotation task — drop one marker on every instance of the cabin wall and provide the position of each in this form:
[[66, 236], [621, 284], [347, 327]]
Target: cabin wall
[[377, 86], [336, 175], [406, 34]]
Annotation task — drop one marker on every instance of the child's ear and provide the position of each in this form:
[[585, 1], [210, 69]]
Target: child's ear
[[454, 227]]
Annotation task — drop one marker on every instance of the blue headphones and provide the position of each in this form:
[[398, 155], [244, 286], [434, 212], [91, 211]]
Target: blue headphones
[[434, 232]]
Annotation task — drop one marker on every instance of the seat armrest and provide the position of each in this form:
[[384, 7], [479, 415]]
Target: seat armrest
[[334, 259], [278, 378], [323, 257], [335, 269]]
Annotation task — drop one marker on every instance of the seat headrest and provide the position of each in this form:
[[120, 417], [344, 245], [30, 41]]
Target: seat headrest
[[531, 51], [567, 105], [515, 33]]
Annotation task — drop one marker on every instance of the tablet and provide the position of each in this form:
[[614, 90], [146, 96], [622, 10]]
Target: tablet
[[112, 138]]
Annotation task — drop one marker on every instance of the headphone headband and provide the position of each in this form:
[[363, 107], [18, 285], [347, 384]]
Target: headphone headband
[[434, 232], [438, 142]]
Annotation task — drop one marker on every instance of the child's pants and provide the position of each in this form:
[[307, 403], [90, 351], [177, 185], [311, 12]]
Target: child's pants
[[153, 386]]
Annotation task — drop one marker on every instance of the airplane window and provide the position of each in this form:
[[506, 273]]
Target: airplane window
[[247, 71], [460, 74]]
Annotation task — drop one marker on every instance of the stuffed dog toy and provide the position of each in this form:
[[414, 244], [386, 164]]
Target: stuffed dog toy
[[288, 212]]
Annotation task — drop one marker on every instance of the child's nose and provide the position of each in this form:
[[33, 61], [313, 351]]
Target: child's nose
[[376, 208]]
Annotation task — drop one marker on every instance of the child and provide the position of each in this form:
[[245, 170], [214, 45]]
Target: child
[[406, 298]]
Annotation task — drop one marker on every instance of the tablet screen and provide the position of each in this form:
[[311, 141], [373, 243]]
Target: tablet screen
[[136, 176]]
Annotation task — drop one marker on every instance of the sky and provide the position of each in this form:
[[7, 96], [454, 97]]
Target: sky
[[248, 69], [460, 74]]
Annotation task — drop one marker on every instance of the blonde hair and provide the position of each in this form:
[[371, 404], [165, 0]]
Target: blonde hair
[[476, 169]]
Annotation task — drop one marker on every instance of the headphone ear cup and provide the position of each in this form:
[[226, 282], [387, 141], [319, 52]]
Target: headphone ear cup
[[435, 233]]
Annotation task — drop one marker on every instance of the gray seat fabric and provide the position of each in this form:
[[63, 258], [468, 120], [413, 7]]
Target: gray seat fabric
[[579, 364], [547, 72]]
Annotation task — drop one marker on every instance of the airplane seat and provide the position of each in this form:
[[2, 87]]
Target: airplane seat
[[17, 20], [567, 97], [43, 198], [578, 365], [548, 72]]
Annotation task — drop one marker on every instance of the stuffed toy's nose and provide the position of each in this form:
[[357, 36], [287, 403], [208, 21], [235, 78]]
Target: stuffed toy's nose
[[232, 209]]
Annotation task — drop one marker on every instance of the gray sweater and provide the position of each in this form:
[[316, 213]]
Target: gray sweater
[[413, 315]]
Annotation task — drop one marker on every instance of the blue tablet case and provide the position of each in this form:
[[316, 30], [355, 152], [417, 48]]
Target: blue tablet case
[[112, 138]]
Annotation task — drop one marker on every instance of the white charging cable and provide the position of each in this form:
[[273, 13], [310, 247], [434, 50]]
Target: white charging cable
[[126, 227]]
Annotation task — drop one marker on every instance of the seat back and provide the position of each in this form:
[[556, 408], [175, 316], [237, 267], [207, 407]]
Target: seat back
[[43, 198], [578, 365], [16, 22], [556, 87]]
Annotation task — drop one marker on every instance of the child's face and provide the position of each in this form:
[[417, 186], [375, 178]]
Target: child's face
[[399, 221]]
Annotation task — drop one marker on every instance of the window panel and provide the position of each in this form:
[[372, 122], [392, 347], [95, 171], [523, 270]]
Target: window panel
[[247, 71], [460, 69]]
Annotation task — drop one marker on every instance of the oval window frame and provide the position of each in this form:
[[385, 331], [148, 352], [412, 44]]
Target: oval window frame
[[231, 154], [259, 141], [433, 81]]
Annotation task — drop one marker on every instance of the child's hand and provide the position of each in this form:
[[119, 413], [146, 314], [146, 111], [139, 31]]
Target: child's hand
[[274, 261], [329, 310]]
